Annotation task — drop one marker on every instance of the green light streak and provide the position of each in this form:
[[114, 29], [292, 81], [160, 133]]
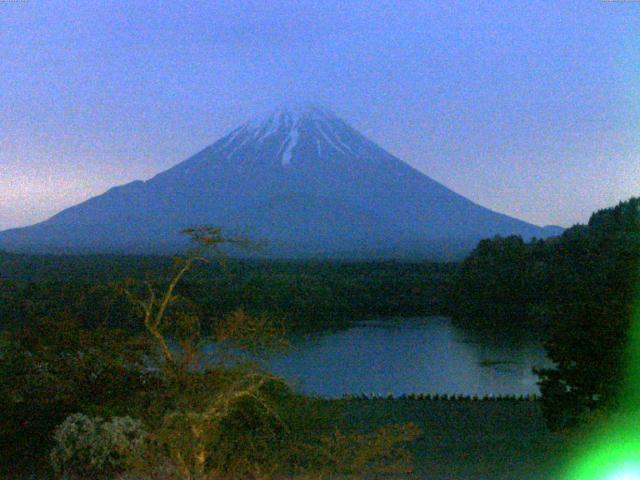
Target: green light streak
[[611, 454], [613, 451]]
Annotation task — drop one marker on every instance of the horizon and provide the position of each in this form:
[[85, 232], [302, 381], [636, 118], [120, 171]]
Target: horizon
[[527, 113]]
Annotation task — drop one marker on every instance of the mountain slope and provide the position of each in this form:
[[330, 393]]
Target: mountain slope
[[302, 179]]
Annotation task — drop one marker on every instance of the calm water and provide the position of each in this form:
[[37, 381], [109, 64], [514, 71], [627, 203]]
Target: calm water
[[427, 355]]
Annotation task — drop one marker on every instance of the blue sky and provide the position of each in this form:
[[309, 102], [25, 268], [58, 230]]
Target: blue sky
[[527, 107]]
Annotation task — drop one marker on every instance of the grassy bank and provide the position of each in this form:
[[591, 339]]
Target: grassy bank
[[467, 440], [485, 439]]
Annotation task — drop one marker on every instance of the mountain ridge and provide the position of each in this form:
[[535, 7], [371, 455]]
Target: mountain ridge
[[302, 179]]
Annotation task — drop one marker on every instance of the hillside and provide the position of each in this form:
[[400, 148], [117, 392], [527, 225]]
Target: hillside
[[301, 179]]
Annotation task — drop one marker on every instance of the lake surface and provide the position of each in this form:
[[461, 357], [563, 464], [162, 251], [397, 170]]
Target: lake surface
[[428, 355]]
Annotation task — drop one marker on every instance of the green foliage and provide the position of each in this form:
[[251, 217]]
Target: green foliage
[[207, 416], [54, 368], [304, 295], [501, 284], [579, 288], [596, 280], [215, 420], [89, 447]]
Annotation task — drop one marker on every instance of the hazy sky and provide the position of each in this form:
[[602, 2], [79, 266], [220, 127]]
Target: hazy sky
[[528, 107]]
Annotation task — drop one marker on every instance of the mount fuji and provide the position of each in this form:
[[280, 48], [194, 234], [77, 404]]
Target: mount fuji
[[302, 179]]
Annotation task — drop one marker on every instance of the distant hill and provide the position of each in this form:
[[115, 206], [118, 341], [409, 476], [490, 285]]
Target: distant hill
[[301, 179]]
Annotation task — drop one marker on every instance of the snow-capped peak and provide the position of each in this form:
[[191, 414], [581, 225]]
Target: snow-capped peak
[[287, 117], [289, 136], [290, 125]]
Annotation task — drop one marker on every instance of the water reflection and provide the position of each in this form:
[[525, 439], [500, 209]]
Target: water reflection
[[428, 355]]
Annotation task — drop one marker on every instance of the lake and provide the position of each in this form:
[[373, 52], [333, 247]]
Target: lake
[[427, 355]]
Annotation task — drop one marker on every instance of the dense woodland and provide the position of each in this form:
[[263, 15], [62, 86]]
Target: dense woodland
[[579, 287], [85, 396], [81, 333], [305, 295]]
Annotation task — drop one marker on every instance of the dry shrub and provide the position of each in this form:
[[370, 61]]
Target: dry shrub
[[249, 332], [379, 454], [214, 421]]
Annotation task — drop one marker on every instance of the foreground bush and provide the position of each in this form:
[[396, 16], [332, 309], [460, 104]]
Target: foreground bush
[[371, 455], [209, 414], [89, 447], [221, 417], [54, 368]]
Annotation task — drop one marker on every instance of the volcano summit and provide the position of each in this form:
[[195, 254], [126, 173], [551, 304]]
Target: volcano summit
[[301, 179]]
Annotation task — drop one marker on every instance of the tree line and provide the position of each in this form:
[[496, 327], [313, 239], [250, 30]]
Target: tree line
[[95, 401], [306, 295], [578, 288]]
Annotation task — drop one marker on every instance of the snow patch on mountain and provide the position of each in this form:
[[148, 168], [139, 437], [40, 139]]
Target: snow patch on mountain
[[345, 196], [286, 125], [291, 142]]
